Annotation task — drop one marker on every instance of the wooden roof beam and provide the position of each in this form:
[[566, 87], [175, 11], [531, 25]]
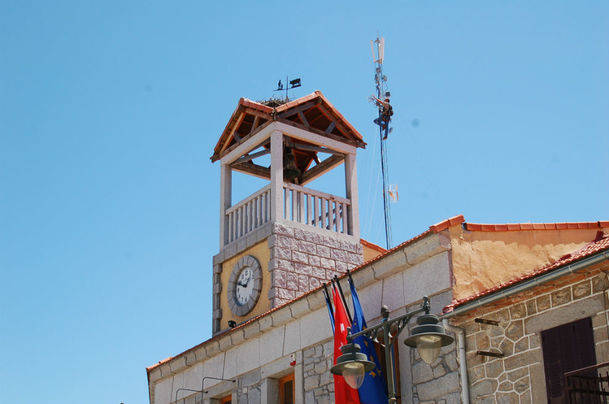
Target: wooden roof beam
[[337, 123], [303, 119], [233, 131], [312, 135], [252, 169], [255, 124], [326, 165], [249, 157], [316, 149], [299, 109], [247, 144]]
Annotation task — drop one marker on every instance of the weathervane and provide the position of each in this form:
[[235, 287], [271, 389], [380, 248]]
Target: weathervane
[[289, 84]]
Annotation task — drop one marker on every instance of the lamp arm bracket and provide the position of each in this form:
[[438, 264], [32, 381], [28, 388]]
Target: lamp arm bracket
[[214, 378], [402, 321], [185, 389]]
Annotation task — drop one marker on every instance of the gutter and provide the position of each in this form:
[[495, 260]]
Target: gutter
[[528, 284]]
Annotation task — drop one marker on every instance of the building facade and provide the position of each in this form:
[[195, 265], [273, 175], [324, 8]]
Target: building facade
[[501, 289]]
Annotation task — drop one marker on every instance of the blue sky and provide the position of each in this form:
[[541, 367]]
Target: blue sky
[[109, 112]]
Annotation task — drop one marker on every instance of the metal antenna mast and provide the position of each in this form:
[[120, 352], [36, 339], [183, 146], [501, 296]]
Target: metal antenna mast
[[385, 111]]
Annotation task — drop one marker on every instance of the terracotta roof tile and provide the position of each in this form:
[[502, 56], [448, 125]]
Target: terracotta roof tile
[[535, 226], [445, 224], [373, 246]]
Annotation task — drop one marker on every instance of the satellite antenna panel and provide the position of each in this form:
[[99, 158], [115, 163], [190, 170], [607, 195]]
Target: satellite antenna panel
[[372, 49], [382, 50]]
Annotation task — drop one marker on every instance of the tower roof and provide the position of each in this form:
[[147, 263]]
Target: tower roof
[[312, 112]]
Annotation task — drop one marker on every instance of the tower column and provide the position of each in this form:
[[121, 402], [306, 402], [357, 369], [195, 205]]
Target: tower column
[[352, 194], [276, 176], [225, 200]]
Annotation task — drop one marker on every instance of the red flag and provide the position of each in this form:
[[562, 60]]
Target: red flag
[[343, 394]]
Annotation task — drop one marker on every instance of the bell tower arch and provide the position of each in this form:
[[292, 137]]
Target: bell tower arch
[[286, 238]]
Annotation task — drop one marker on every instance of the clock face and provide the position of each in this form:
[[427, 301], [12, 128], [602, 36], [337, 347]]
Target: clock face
[[244, 285]]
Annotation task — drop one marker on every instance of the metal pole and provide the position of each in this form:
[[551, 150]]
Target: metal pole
[[388, 357], [342, 295], [386, 206]]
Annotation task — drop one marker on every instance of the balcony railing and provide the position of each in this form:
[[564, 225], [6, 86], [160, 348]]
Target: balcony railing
[[300, 204], [314, 208], [588, 385], [249, 214]]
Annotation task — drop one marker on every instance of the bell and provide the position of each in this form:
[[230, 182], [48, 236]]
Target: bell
[[290, 169]]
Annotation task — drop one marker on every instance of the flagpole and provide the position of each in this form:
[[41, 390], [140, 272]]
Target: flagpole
[[350, 278], [342, 295], [329, 304]]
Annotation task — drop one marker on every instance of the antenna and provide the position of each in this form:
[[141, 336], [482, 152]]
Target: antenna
[[381, 100], [289, 84]]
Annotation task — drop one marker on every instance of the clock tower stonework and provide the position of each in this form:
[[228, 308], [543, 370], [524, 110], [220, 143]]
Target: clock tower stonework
[[285, 239]]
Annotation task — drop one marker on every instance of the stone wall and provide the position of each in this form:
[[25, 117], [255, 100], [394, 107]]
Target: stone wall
[[519, 376], [318, 381], [437, 383], [301, 260], [249, 388]]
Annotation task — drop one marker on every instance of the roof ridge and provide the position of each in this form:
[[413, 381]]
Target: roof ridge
[[445, 224], [372, 245], [535, 226]]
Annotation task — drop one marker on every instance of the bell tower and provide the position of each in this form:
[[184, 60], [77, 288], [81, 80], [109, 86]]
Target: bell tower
[[285, 239]]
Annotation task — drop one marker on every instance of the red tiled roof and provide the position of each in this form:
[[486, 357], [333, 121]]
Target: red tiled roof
[[445, 224], [535, 226], [600, 244], [432, 229], [373, 246], [242, 121]]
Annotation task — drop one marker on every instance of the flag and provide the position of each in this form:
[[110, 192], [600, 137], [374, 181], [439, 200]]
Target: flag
[[393, 193], [343, 394], [374, 388]]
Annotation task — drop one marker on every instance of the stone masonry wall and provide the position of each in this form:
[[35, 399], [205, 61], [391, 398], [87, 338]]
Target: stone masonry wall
[[519, 376], [318, 381], [301, 260], [249, 388], [437, 383]]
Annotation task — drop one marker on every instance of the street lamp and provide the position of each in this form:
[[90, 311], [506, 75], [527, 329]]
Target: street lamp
[[428, 336], [352, 365]]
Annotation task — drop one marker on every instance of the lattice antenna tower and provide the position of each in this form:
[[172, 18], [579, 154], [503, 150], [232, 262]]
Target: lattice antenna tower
[[382, 93]]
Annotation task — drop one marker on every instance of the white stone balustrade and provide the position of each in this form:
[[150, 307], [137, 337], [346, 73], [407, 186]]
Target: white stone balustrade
[[318, 209], [300, 204], [248, 215]]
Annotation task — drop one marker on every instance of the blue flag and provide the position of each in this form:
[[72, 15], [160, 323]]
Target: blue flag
[[374, 388]]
